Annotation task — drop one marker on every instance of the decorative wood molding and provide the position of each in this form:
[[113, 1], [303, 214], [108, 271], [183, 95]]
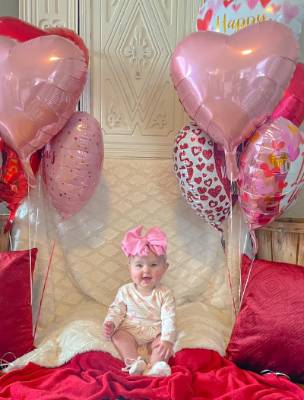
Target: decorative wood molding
[[131, 93], [84, 31], [49, 13], [136, 151]]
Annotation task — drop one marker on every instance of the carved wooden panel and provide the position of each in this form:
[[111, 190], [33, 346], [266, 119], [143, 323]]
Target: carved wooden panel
[[48, 13], [131, 90]]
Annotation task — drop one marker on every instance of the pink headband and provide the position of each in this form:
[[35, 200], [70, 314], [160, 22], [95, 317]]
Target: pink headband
[[134, 244]]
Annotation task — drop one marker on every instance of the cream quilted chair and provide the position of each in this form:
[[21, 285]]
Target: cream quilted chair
[[87, 264]]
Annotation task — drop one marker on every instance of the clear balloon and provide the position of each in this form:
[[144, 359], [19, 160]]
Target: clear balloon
[[72, 164], [230, 84], [41, 82], [229, 16], [271, 172], [200, 169]]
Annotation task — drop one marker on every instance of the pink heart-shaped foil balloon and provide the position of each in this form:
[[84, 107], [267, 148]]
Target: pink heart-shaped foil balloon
[[41, 81], [230, 84], [72, 164]]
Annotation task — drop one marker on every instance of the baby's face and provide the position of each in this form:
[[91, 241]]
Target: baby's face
[[146, 271]]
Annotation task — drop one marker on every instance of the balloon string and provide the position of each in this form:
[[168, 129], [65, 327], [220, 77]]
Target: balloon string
[[231, 290], [255, 251], [44, 287], [247, 280], [240, 268], [36, 219], [254, 243], [240, 252], [10, 240], [30, 242], [230, 235]]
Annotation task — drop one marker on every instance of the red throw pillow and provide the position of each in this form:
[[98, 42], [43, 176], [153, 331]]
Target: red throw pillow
[[16, 330], [269, 329]]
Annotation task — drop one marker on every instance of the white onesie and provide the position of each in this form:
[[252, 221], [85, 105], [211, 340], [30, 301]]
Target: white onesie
[[145, 317]]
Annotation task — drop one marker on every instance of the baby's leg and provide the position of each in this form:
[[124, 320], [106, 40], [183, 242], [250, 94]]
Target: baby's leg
[[159, 366], [125, 344], [127, 348], [155, 356]]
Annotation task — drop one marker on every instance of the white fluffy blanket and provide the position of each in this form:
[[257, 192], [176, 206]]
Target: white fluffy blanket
[[199, 326]]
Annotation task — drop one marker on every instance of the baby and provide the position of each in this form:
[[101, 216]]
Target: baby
[[143, 312]]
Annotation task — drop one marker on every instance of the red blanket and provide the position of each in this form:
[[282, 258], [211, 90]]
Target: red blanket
[[196, 375]]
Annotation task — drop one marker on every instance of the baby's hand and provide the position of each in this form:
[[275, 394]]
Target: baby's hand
[[165, 349], [108, 329]]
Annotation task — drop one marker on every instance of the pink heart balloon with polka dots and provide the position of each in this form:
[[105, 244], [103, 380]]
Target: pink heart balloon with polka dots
[[72, 164]]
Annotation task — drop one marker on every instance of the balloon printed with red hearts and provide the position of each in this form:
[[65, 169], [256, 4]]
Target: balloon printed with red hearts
[[200, 169], [230, 85], [271, 172]]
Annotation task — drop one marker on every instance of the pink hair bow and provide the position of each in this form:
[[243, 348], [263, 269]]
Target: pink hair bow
[[134, 244]]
